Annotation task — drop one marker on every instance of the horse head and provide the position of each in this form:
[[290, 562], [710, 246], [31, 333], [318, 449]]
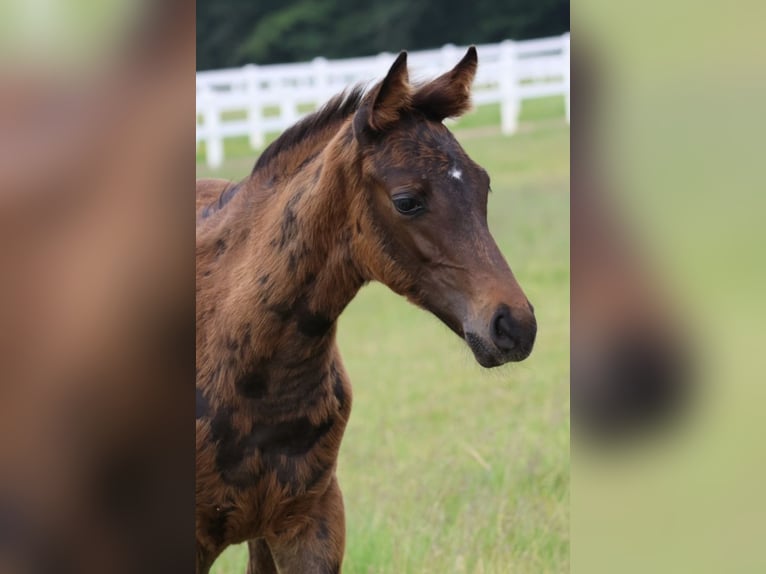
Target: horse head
[[423, 213]]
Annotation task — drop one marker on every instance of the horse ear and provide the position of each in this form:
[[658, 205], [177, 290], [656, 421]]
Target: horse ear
[[381, 108], [449, 95]]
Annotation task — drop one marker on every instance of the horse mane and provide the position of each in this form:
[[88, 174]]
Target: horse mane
[[336, 110]]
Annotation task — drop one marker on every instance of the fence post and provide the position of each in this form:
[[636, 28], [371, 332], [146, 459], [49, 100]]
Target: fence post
[[509, 88], [213, 138], [254, 113], [567, 88]]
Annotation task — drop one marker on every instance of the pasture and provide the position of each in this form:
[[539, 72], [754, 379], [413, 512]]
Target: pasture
[[445, 466]]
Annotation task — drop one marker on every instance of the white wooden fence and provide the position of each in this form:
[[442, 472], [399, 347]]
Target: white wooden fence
[[264, 99]]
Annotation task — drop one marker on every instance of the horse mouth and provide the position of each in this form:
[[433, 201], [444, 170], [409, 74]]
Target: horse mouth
[[489, 355]]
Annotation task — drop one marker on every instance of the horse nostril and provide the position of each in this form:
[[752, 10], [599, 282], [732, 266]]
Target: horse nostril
[[502, 330], [513, 335]]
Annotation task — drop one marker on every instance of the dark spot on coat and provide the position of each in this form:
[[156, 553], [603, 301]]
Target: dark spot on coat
[[292, 263], [232, 344], [216, 527], [230, 449], [220, 248], [252, 385], [286, 471], [282, 311], [240, 477], [290, 438], [288, 228], [226, 195], [292, 203], [208, 210], [242, 235], [312, 324], [263, 279], [202, 408], [323, 531]]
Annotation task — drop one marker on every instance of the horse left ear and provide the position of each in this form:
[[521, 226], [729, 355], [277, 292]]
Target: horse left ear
[[449, 95]]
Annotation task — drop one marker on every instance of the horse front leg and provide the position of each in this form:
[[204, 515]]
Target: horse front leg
[[319, 548]]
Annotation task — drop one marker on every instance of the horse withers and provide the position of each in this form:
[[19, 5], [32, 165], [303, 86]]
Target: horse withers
[[372, 187]]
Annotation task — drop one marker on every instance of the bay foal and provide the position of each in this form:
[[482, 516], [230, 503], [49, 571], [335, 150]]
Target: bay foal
[[373, 187]]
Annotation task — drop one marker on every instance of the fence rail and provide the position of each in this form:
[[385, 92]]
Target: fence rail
[[264, 99]]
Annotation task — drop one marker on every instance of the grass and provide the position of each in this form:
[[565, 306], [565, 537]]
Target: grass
[[447, 467]]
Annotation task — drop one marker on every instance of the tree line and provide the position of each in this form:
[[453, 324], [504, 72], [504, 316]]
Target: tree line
[[236, 32]]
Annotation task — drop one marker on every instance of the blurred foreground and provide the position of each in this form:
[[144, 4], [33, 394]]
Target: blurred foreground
[[667, 288], [96, 301]]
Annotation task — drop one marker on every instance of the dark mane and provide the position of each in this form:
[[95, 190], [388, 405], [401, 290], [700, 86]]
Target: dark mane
[[336, 110]]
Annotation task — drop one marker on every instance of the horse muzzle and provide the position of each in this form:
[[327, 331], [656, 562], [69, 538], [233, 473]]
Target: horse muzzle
[[508, 336]]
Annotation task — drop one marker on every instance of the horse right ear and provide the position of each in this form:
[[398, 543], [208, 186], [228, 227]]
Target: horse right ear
[[382, 107]]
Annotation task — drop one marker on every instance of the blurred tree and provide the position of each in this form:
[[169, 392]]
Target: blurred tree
[[234, 32]]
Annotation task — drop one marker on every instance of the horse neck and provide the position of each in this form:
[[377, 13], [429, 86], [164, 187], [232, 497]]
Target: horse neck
[[281, 266]]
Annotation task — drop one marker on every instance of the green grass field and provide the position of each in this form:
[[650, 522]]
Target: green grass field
[[447, 467]]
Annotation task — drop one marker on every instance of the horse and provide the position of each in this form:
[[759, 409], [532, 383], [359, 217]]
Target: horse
[[372, 187]]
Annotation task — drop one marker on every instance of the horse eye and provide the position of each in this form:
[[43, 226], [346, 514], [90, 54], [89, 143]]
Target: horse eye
[[408, 205]]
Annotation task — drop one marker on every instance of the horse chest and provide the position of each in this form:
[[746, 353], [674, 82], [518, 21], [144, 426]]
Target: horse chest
[[260, 477]]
